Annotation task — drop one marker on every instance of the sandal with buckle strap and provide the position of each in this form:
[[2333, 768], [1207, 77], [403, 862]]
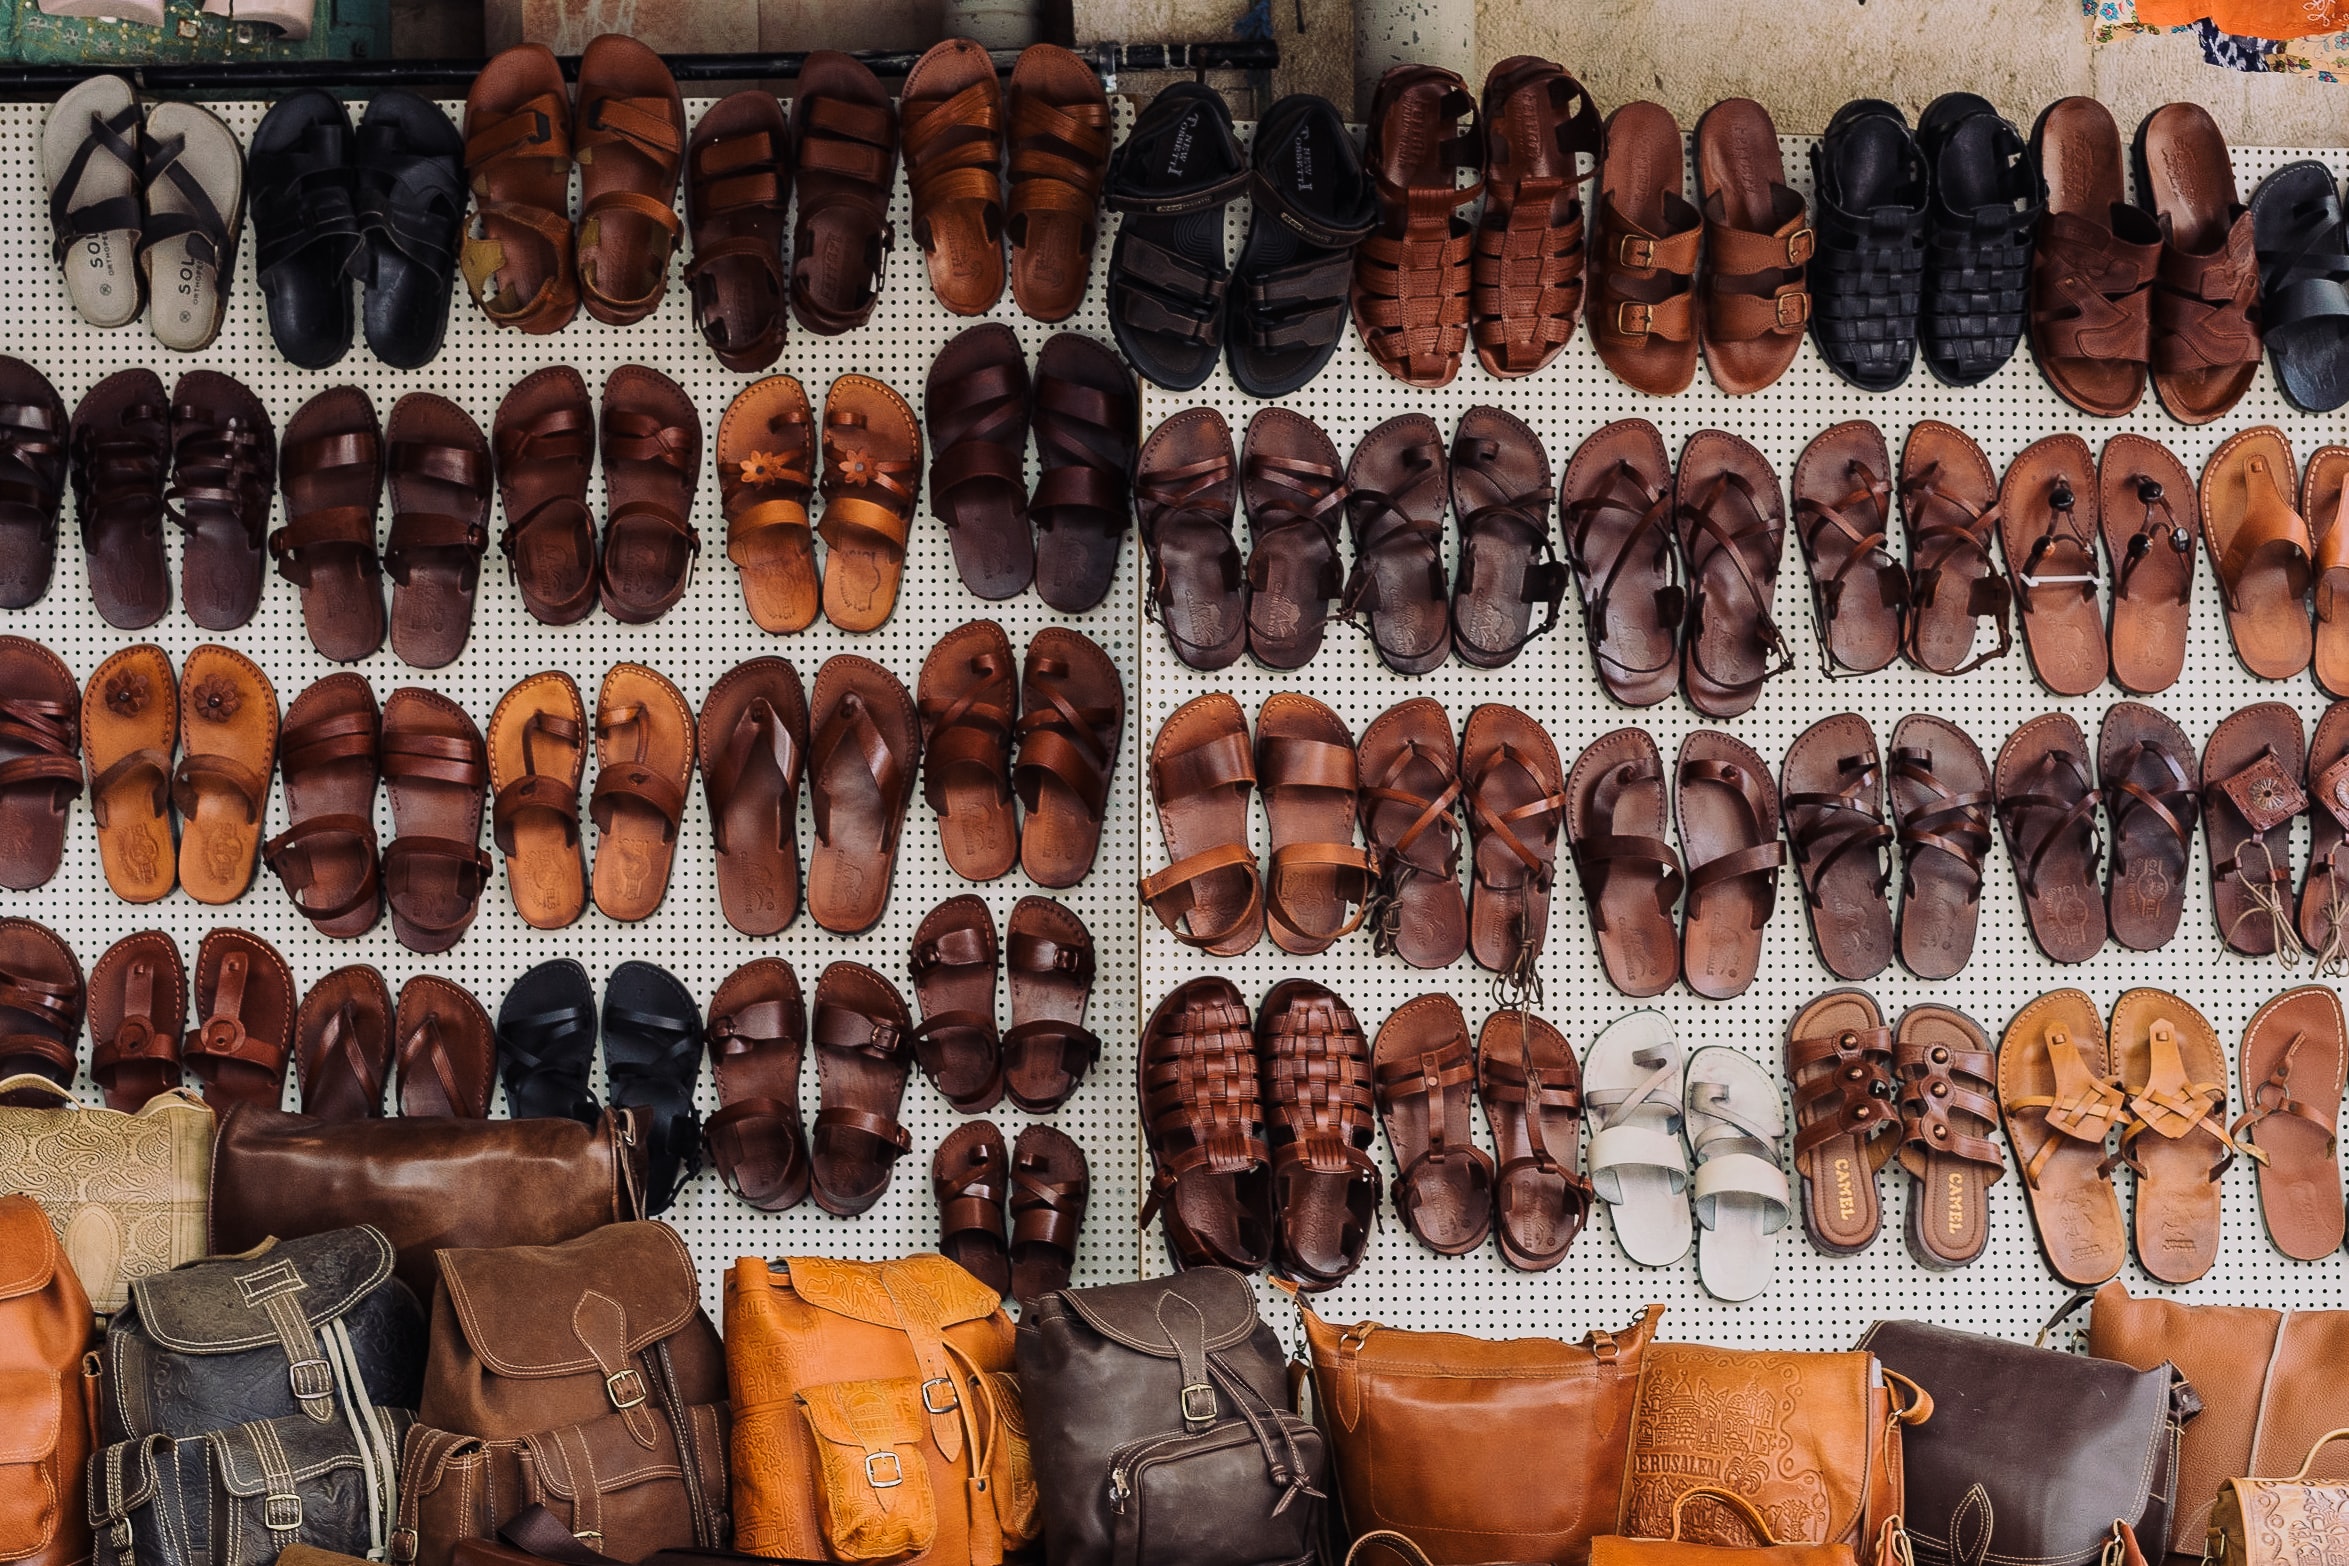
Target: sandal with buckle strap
[[1634, 1087], [1947, 1075], [120, 459], [861, 766], [737, 185], [652, 1059], [1739, 1196], [2168, 1059], [1050, 1185], [537, 753], [977, 400], [91, 154], [40, 761], [2324, 893], [2047, 524], [2292, 1058], [1311, 202], [32, 481], [546, 1037], [1531, 1088], [757, 1032], [1397, 484], [1325, 1185], [447, 1052], [2093, 271], [327, 856], [1048, 1050], [245, 1020], [518, 252], [954, 966], [644, 752], [766, 475], [1186, 486], [192, 186], [2145, 773], [343, 1045], [970, 1180], [1309, 777], [2261, 552], [1059, 133], [332, 472], [1525, 281], [1202, 770], [2059, 1103], [872, 466], [1516, 794], [41, 1001], [1424, 1079], [1203, 1121], [1727, 512], [1860, 595], [224, 465], [306, 226], [1949, 508], [2047, 804], [1729, 835], [1839, 1058], [1643, 318], [130, 727], [438, 477], [411, 199], [1171, 179], [844, 166], [1616, 516], [436, 769], [1087, 419], [754, 742], [1501, 494], [1831, 792], [1618, 819], [1295, 493], [1071, 729], [953, 116], [1411, 286], [1409, 766], [2206, 346], [2252, 767], [2151, 528], [864, 1052], [228, 747], [1758, 240], [544, 433], [629, 140], [138, 998], [651, 440], [1940, 794]]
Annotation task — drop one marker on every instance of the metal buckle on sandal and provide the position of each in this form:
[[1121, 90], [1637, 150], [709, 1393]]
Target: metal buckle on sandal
[[873, 1470], [1635, 250], [1629, 310], [625, 1388], [953, 1401], [1800, 315], [1800, 245]]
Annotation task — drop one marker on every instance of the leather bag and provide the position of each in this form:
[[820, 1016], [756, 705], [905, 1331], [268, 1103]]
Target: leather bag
[[1673, 1550], [2280, 1522], [426, 1183], [45, 1394], [876, 1420], [2031, 1454], [582, 1377], [1388, 1398], [1159, 1413], [125, 1192]]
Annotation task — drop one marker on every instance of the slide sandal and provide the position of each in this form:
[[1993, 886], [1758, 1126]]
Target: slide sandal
[[1633, 1082], [1741, 1199]]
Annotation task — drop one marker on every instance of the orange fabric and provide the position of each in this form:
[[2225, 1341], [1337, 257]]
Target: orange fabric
[[2250, 18]]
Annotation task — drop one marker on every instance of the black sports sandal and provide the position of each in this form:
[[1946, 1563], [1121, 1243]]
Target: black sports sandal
[[546, 1044], [1868, 270], [411, 194], [1313, 203], [305, 225], [1987, 198], [1167, 278], [2303, 247], [652, 1058]]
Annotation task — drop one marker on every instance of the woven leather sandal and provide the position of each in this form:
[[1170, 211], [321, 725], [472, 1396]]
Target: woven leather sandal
[[1411, 276], [1987, 200], [1525, 280], [1869, 269], [1203, 1119], [224, 465], [1325, 1184]]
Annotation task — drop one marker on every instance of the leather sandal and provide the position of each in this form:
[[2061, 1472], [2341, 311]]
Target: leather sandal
[[757, 1032], [41, 1000], [1618, 823], [953, 115], [861, 767], [2292, 1068], [2324, 892], [1186, 486], [447, 1051], [1758, 240], [518, 253], [1072, 727], [1987, 203], [2059, 1102], [537, 753], [863, 1046], [343, 1045], [1727, 808], [1860, 595], [2252, 766], [130, 727], [976, 400], [1059, 135], [411, 197], [1295, 494], [1949, 508], [138, 1000], [1325, 1185], [2047, 806], [305, 225], [1831, 791], [1311, 202], [244, 1021], [438, 478], [32, 481], [224, 464], [1203, 1122], [1307, 772], [1202, 771], [1525, 280], [2151, 527], [1940, 794], [40, 761], [1171, 179], [2167, 1058], [754, 742], [2047, 511], [1411, 275], [1739, 1196], [1397, 484], [1616, 515], [1731, 523], [192, 174], [872, 466], [954, 967], [2093, 272], [228, 748], [629, 139], [327, 855], [737, 186], [545, 439], [1516, 793], [1049, 955], [1530, 1085], [1424, 1079], [970, 1179], [1634, 1088], [1644, 310], [1501, 496], [652, 1058], [2205, 348], [766, 475], [844, 165], [2260, 551], [644, 751], [436, 769], [1050, 1185], [546, 1036], [121, 455], [1839, 1057], [1947, 1077], [1871, 180], [91, 155], [1410, 773], [2324, 488], [2302, 244], [2145, 772], [1088, 429], [652, 462], [332, 472]]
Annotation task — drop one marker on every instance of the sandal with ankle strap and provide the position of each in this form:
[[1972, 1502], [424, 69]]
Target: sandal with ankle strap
[[1202, 771], [520, 266], [757, 1032], [737, 185], [1517, 801], [1501, 494], [1728, 813], [2047, 804], [629, 140], [844, 140], [652, 1058], [327, 855], [544, 435], [1070, 733], [651, 440], [1842, 513], [1294, 492], [1830, 791], [1727, 512], [546, 1036], [954, 965], [1050, 1185], [970, 1180], [863, 1046], [1424, 1078], [1049, 955], [2145, 773], [1411, 286], [1949, 507], [245, 1028], [1618, 817], [2047, 526], [1172, 178], [1839, 1062], [1319, 1101], [1203, 1121], [1397, 484], [1310, 780], [1616, 515], [1186, 486], [1525, 281], [1531, 1088], [1311, 203], [2252, 767], [1940, 794], [1409, 766]]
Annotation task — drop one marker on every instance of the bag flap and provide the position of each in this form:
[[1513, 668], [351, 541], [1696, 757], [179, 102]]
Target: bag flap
[[612, 1458], [1791, 1432], [861, 1290], [28, 1247], [220, 1305], [866, 1415], [519, 1305], [1128, 1313], [32, 1412], [301, 1446], [122, 1477]]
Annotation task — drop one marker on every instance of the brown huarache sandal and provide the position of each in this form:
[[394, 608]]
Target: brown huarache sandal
[[343, 1045], [1939, 790], [1842, 511], [1309, 777], [2145, 773], [1202, 771], [327, 855], [1325, 1185], [758, 1037], [970, 1179], [1048, 1050], [1949, 508], [1424, 1079], [2252, 766], [2047, 803], [1831, 791], [1411, 276], [2151, 525], [1839, 1058], [245, 1020], [954, 966], [1618, 820], [754, 742], [2059, 1103], [1525, 281], [1947, 1078], [1203, 1118], [138, 999]]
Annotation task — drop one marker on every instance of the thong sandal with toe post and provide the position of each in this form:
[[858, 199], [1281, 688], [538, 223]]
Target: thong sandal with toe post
[[757, 1032], [1643, 316], [1050, 1185], [1758, 240], [1949, 508], [40, 761], [872, 463], [844, 164], [1088, 429], [332, 473], [1186, 487], [1728, 813], [447, 1051], [2324, 504], [977, 401], [544, 435], [862, 1035], [343, 1045], [518, 256], [33, 464], [2047, 802], [629, 138], [130, 726], [228, 748], [537, 753], [244, 1028], [954, 966], [970, 1179], [2151, 528], [2145, 771], [1203, 1120], [1072, 726], [766, 475], [1412, 274], [439, 483], [1509, 562], [1295, 493], [120, 458], [1059, 133], [1616, 515], [1634, 1083], [1618, 823], [1409, 766], [138, 1000], [644, 753], [1517, 803], [1202, 770], [2170, 1063], [1530, 1085], [1307, 771], [1396, 487], [41, 1002], [1948, 1076], [1315, 1065], [2290, 1126], [1424, 1079], [2047, 525], [862, 762], [953, 116], [2094, 266], [1731, 523], [546, 1037], [1049, 957], [327, 856], [2324, 891], [436, 769], [1831, 791], [737, 187], [1940, 794], [969, 700], [2059, 1104], [2252, 766], [223, 468], [652, 1058], [2260, 551], [652, 462], [1839, 1057], [1860, 595], [1740, 1194]]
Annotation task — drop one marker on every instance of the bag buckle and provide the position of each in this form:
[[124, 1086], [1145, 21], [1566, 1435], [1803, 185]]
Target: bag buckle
[[282, 1513], [1199, 1403], [952, 1402], [873, 1470], [403, 1544], [625, 1388], [310, 1378]]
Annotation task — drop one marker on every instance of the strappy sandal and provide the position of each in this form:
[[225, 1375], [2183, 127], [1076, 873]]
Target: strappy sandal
[[130, 726], [1171, 179], [1618, 823], [1311, 202], [1525, 281], [1424, 1079], [546, 1036], [1072, 728], [40, 761], [872, 466], [1318, 1096], [327, 855], [1949, 508], [2252, 765], [969, 700], [651, 440], [1831, 792], [2290, 1125], [970, 1180], [1728, 813], [766, 475], [953, 116], [1049, 956], [976, 401], [862, 762], [224, 465], [1758, 240], [2151, 529], [1050, 1185], [629, 140], [438, 478], [737, 187], [1202, 770], [1411, 276], [436, 769], [1531, 1088], [537, 753], [1087, 420], [1839, 1060], [1307, 772], [1509, 562], [2324, 893], [2302, 245], [1516, 793], [1616, 515], [91, 155], [2260, 551], [1410, 772], [1633, 1089], [1726, 511], [228, 748], [1059, 134], [1860, 595], [1940, 794], [644, 753], [332, 473], [1294, 492], [863, 1045], [1186, 487], [1397, 483], [447, 1051], [120, 458], [192, 186], [954, 966], [544, 433], [1739, 1197], [1947, 1075], [2169, 1061], [652, 1059], [2145, 773], [2059, 1103], [1988, 200], [138, 998], [2047, 526], [520, 265], [1203, 1122], [306, 226], [2047, 803], [245, 1020], [33, 464], [343, 1045], [41, 1001], [757, 1032], [411, 199], [844, 136]]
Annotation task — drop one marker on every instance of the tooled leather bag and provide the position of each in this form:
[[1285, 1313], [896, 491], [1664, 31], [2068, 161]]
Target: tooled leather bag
[[125, 1192], [876, 1419], [47, 1405], [1673, 1550], [1388, 1398], [582, 1377], [1159, 1415], [2280, 1522]]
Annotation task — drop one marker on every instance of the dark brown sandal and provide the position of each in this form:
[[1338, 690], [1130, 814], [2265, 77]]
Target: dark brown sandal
[[138, 999], [1940, 794], [844, 164], [2145, 773], [1049, 955], [439, 483], [1050, 1185], [1516, 792], [1949, 509], [447, 1051], [40, 760], [436, 769], [343, 1045], [1186, 486], [758, 1038], [1732, 528], [737, 186], [2047, 508], [863, 1039], [1509, 563], [2324, 893], [1088, 429], [1409, 766], [1397, 484], [1619, 818], [544, 433], [32, 481], [1294, 492], [629, 139], [245, 1020], [1203, 1121], [652, 462], [970, 1178], [862, 762], [969, 701], [1325, 1185], [1948, 1077], [976, 400], [1411, 275], [332, 473], [2251, 789], [1842, 514], [224, 465], [1729, 838], [1202, 770], [2152, 532], [955, 962], [121, 457], [1616, 514], [1070, 735], [2047, 803], [1530, 1085], [1839, 1060], [1309, 777], [753, 746], [1424, 1079], [327, 855], [41, 1002], [1831, 791]]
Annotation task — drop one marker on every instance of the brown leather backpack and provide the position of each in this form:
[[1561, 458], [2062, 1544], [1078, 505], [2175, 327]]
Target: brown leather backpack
[[47, 1402]]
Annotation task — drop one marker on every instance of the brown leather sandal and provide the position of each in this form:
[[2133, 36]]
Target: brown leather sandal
[[537, 753], [2168, 1059], [2205, 349], [644, 749], [1644, 309], [1325, 1184], [969, 701], [2292, 1056], [41, 1000], [863, 1045], [130, 726], [439, 482], [1424, 1077], [327, 855], [2059, 1103], [2260, 551], [758, 1038], [33, 457], [1411, 276], [1071, 731], [652, 462], [1516, 792], [970, 1179], [1758, 240], [1860, 595], [1295, 494], [228, 748], [1940, 794], [766, 474], [121, 457], [1186, 487], [1060, 129], [2324, 504], [1618, 820], [138, 999], [1525, 281], [1839, 1060], [2145, 773], [545, 438], [953, 110], [518, 159], [872, 466], [1616, 515], [1731, 525], [1530, 1085], [1050, 1185], [1831, 791], [844, 138], [753, 749], [630, 143], [1949, 509], [2047, 526], [1203, 1121], [2047, 803], [40, 761], [224, 464], [1049, 954], [2093, 268], [1410, 773], [2151, 527], [1396, 487], [2324, 893], [954, 967], [1307, 772], [1088, 429], [343, 1045], [332, 473], [737, 185], [1727, 808], [1501, 497], [861, 768], [447, 1051], [2252, 766], [1202, 771], [1947, 1076], [245, 1020], [976, 400], [436, 769]]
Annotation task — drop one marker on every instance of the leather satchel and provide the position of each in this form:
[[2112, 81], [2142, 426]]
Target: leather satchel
[[582, 1377], [124, 1192], [1159, 1413], [425, 1182], [1389, 1399], [2280, 1522], [45, 1396], [1674, 1550], [876, 1420]]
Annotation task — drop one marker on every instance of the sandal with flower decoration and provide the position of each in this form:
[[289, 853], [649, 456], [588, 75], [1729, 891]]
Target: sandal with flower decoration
[[766, 472], [228, 740], [872, 462]]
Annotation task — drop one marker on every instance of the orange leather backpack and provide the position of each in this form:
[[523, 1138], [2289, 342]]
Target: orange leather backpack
[[48, 1402]]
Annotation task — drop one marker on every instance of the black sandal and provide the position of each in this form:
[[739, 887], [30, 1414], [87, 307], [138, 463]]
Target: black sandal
[[546, 1044], [411, 200], [1167, 276], [1869, 178], [1987, 199], [652, 1059], [1313, 204], [2303, 245], [305, 225]]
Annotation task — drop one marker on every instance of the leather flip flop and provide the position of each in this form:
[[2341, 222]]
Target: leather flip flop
[[439, 484], [954, 967], [953, 140], [447, 1051], [1315, 1065], [1050, 1185], [224, 465], [1758, 240], [1411, 274], [1616, 514], [130, 727], [228, 748], [1530, 1085], [2324, 504], [1410, 772], [766, 473], [1939, 791], [2260, 551], [1860, 595], [327, 855], [1060, 127], [33, 458], [544, 434], [970, 1179], [331, 469], [863, 1044], [1516, 792], [1088, 429], [872, 465], [644, 749], [969, 701], [652, 461], [2324, 892], [546, 1035], [1203, 1120], [194, 199], [1424, 1079], [138, 999], [1731, 525], [244, 1020], [518, 256], [1740, 1195], [1831, 791], [2059, 1103], [2292, 1070], [1839, 1059], [1509, 563], [2047, 803], [629, 138], [1397, 484], [1633, 1086], [1295, 493], [1310, 779], [862, 763], [2151, 525], [1186, 486], [1728, 813], [1049, 955], [2145, 773], [40, 761], [2047, 510], [343, 1045], [2168, 1060], [537, 751], [652, 1059], [976, 401], [1644, 307], [753, 751], [41, 1002], [121, 455], [436, 770], [1619, 819], [737, 189], [2094, 264], [1947, 1078], [1949, 507], [757, 1032], [1202, 771], [1071, 731], [844, 132], [2252, 766]]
